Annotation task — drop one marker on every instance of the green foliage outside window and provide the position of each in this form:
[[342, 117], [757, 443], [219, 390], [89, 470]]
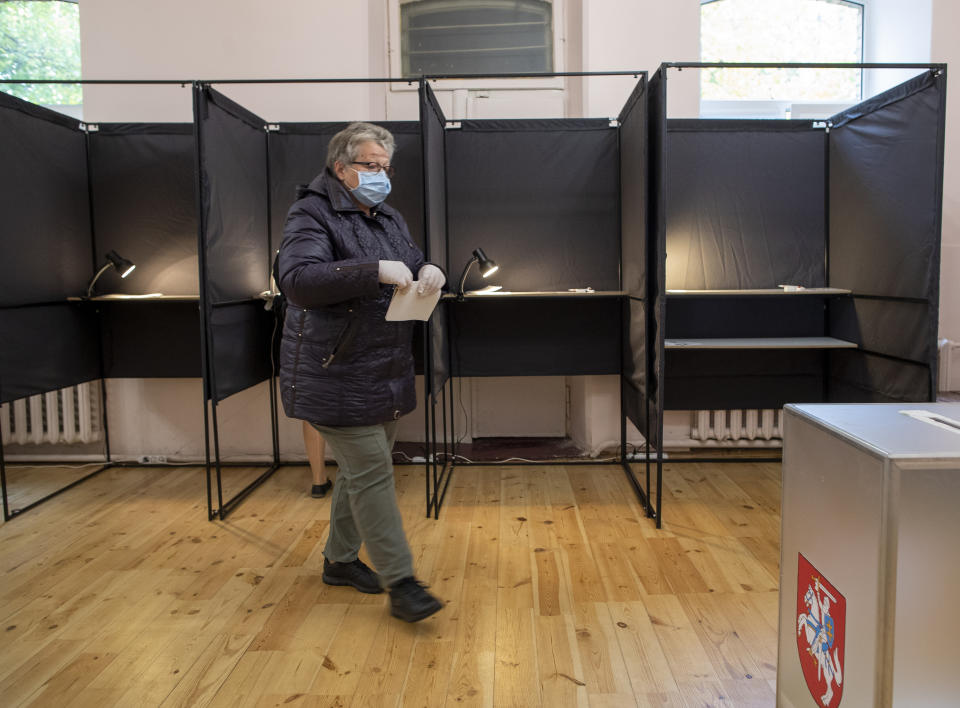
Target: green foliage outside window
[[781, 31], [40, 40]]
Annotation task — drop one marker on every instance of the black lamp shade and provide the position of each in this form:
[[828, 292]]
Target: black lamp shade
[[121, 264], [487, 266]]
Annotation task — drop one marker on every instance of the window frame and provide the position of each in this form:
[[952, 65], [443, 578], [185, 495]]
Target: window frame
[[395, 64]]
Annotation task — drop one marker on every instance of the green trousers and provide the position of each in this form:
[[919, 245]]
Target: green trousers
[[364, 506]]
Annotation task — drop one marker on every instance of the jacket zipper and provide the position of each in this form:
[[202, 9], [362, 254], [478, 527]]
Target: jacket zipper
[[341, 340], [296, 358]]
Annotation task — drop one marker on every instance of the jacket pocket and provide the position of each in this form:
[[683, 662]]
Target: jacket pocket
[[341, 343]]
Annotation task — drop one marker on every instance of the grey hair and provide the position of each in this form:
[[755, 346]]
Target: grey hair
[[345, 145]]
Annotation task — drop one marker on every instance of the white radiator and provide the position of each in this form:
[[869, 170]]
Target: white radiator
[[731, 426], [949, 374], [70, 415]]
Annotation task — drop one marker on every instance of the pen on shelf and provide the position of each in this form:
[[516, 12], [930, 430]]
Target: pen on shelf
[[580, 290]]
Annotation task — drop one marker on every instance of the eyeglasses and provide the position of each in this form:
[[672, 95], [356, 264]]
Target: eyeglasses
[[375, 167]]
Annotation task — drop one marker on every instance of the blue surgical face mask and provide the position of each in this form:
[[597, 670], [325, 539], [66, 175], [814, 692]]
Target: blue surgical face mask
[[373, 187]]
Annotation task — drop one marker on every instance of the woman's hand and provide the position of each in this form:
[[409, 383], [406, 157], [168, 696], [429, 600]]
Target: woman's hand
[[396, 273], [431, 279]]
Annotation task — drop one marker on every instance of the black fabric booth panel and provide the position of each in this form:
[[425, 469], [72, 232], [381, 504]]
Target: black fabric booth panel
[[886, 171], [634, 254], [433, 127], [540, 197], [151, 338], [636, 364], [730, 316], [241, 346], [743, 378], [745, 204], [861, 377], [638, 411], [536, 336], [655, 265], [235, 199], [906, 330], [634, 215], [143, 190], [47, 253], [298, 153], [47, 347], [885, 194]]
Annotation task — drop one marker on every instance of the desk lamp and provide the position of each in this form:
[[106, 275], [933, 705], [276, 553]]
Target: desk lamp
[[121, 264], [487, 268]]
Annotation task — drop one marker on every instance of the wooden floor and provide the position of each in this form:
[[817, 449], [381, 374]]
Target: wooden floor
[[558, 592]]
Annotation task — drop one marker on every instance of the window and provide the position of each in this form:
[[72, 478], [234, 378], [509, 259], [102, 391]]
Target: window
[[476, 36], [40, 40], [784, 31]]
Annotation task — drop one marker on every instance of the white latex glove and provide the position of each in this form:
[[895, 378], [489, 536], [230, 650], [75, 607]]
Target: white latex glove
[[395, 273], [431, 279]]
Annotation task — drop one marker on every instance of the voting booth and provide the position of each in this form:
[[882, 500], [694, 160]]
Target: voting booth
[[869, 561], [793, 261]]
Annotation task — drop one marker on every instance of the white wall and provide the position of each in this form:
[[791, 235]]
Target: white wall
[[894, 32], [946, 48], [640, 35], [187, 39]]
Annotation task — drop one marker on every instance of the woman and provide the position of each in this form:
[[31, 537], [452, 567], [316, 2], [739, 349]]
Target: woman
[[317, 457], [343, 367]]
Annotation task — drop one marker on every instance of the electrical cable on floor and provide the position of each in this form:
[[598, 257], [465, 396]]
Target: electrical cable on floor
[[14, 465], [455, 457], [507, 460], [466, 416]]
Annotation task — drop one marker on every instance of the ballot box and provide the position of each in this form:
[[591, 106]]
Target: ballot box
[[870, 556]]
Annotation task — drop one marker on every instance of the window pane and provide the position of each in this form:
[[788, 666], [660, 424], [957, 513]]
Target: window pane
[[495, 36], [40, 40], [784, 31]]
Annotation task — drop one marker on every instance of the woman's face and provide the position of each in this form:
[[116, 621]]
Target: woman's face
[[369, 152]]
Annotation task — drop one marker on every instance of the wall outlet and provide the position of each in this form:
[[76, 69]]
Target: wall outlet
[[152, 459]]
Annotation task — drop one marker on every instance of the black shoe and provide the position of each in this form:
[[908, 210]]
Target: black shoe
[[355, 574], [410, 602], [319, 491]]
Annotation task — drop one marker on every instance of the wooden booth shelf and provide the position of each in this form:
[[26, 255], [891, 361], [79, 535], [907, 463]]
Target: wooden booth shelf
[[761, 343], [757, 292], [509, 294]]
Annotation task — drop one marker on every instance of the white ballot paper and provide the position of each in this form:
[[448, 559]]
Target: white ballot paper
[[408, 304]]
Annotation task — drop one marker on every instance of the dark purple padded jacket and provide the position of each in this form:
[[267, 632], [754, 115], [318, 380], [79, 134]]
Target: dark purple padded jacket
[[341, 362]]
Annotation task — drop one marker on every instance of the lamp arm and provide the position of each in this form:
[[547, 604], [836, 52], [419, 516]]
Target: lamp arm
[[93, 281], [463, 277]]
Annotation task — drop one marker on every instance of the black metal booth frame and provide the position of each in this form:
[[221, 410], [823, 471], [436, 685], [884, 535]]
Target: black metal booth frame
[[596, 329], [866, 330], [615, 236]]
